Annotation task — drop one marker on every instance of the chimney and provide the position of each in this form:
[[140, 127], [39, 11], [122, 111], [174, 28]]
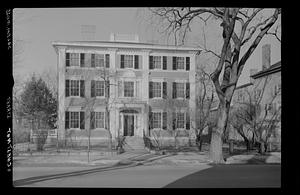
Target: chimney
[[112, 36], [252, 72], [266, 56]]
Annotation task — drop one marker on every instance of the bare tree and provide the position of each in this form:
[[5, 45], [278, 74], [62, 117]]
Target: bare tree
[[240, 26], [106, 75], [257, 119], [205, 100]]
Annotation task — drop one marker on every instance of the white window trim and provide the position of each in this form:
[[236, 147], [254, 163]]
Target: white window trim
[[74, 79], [99, 79], [161, 119], [161, 81], [184, 89], [184, 63], [123, 88], [74, 109], [125, 68], [103, 119], [184, 122], [161, 63], [79, 58]]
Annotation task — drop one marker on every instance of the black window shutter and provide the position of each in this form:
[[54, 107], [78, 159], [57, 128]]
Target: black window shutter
[[174, 90], [187, 121], [106, 125], [92, 122], [187, 91], [150, 121], [82, 120], [66, 120], [164, 121], [67, 59], [187, 63], [164, 62], [174, 120], [93, 60], [107, 89], [107, 60], [150, 89], [136, 62], [150, 62], [164, 90], [82, 60], [174, 63], [92, 88], [67, 88], [122, 61], [82, 88]]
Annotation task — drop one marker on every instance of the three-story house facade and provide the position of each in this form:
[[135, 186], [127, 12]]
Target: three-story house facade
[[130, 88]]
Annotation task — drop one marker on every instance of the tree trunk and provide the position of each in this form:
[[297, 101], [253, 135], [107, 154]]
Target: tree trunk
[[261, 147], [231, 147], [216, 143]]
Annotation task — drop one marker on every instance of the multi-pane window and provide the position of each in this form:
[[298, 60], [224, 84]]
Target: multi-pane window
[[157, 62], [180, 63], [156, 119], [128, 61], [74, 59], [99, 88], [74, 119], [180, 120], [156, 89], [74, 87], [128, 88], [99, 60], [180, 90], [99, 119]]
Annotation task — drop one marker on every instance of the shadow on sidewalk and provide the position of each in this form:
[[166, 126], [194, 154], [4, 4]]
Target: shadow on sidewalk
[[126, 163]]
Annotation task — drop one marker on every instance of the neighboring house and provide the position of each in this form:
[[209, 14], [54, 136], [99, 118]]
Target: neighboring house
[[144, 79], [265, 88]]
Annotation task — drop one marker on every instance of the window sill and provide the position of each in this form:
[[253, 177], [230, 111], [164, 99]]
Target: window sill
[[74, 97], [74, 129]]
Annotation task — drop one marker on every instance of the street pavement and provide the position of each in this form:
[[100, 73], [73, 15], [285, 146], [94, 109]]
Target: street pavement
[[165, 176], [232, 176]]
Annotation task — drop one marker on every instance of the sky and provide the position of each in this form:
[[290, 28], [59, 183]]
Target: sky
[[37, 28]]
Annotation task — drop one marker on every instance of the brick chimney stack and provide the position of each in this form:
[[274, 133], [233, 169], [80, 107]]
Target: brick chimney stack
[[266, 56]]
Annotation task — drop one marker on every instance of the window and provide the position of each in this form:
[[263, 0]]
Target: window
[[156, 120], [180, 90], [128, 61], [156, 88], [180, 63], [74, 87], [99, 88], [99, 119], [74, 119], [128, 89], [157, 62], [99, 60], [180, 120], [74, 59]]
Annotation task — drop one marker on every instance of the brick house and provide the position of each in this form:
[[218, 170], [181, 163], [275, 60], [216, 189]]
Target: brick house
[[150, 86]]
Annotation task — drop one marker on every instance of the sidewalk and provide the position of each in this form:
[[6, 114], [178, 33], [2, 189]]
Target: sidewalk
[[139, 157]]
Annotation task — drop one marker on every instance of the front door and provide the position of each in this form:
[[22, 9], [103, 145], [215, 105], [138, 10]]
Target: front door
[[128, 125]]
